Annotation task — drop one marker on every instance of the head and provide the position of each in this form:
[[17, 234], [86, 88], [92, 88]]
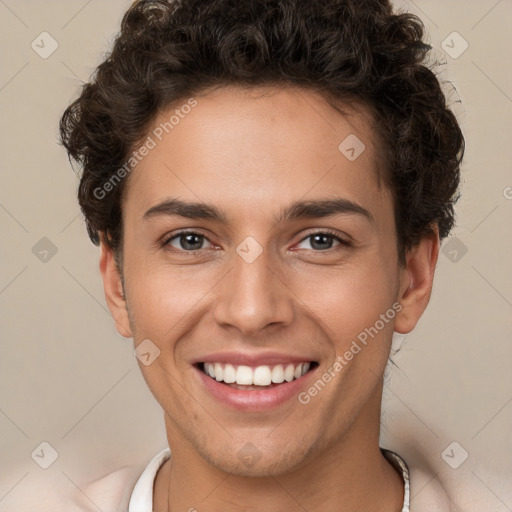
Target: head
[[323, 164]]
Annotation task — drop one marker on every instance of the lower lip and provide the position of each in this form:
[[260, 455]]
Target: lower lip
[[254, 400]]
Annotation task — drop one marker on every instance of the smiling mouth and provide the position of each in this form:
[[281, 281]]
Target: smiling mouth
[[259, 377]]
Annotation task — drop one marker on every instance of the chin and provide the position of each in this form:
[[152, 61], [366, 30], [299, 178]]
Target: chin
[[249, 461]]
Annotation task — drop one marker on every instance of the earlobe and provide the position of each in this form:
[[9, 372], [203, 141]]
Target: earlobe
[[113, 288], [416, 281]]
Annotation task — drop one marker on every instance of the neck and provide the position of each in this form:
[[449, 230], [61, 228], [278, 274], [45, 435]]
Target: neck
[[350, 476]]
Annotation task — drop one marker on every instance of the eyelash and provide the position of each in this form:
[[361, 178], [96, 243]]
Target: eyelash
[[331, 233]]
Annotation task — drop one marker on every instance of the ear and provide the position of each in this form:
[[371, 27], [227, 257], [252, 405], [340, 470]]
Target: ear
[[416, 281], [113, 288]]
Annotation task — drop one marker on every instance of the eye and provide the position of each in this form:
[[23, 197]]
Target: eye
[[323, 240], [187, 241]]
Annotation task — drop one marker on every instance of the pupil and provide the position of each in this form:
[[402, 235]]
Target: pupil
[[189, 241], [322, 238]]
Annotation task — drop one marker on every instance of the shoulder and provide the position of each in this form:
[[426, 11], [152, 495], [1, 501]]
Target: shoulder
[[110, 493], [427, 494], [424, 492]]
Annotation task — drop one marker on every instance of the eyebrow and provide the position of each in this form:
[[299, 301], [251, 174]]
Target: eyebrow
[[295, 211]]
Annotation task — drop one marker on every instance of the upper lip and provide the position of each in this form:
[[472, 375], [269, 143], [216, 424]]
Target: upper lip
[[252, 359]]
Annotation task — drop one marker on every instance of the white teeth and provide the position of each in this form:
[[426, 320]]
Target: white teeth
[[278, 374], [263, 375], [218, 371], [244, 375], [289, 373], [229, 374]]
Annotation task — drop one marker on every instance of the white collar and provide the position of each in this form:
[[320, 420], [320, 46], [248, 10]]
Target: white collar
[[141, 499]]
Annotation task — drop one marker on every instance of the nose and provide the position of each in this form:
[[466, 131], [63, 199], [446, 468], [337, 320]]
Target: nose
[[253, 296]]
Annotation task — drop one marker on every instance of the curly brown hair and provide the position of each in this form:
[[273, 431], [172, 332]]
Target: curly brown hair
[[347, 50]]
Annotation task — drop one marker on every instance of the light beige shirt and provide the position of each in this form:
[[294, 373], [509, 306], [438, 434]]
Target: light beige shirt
[[130, 489]]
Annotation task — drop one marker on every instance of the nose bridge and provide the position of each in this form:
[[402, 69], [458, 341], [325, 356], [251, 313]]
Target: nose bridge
[[252, 295]]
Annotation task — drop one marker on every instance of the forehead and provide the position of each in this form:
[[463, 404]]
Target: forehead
[[258, 146]]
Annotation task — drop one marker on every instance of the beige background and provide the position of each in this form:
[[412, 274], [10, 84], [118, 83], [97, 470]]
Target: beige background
[[68, 379]]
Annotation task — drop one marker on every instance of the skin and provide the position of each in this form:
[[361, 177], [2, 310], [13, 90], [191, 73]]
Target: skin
[[252, 153]]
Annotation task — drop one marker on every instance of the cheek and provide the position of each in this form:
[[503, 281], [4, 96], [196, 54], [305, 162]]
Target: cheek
[[157, 296], [159, 300], [349, 299]]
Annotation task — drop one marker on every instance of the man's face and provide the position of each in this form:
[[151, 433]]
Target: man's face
[[252, 290]]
